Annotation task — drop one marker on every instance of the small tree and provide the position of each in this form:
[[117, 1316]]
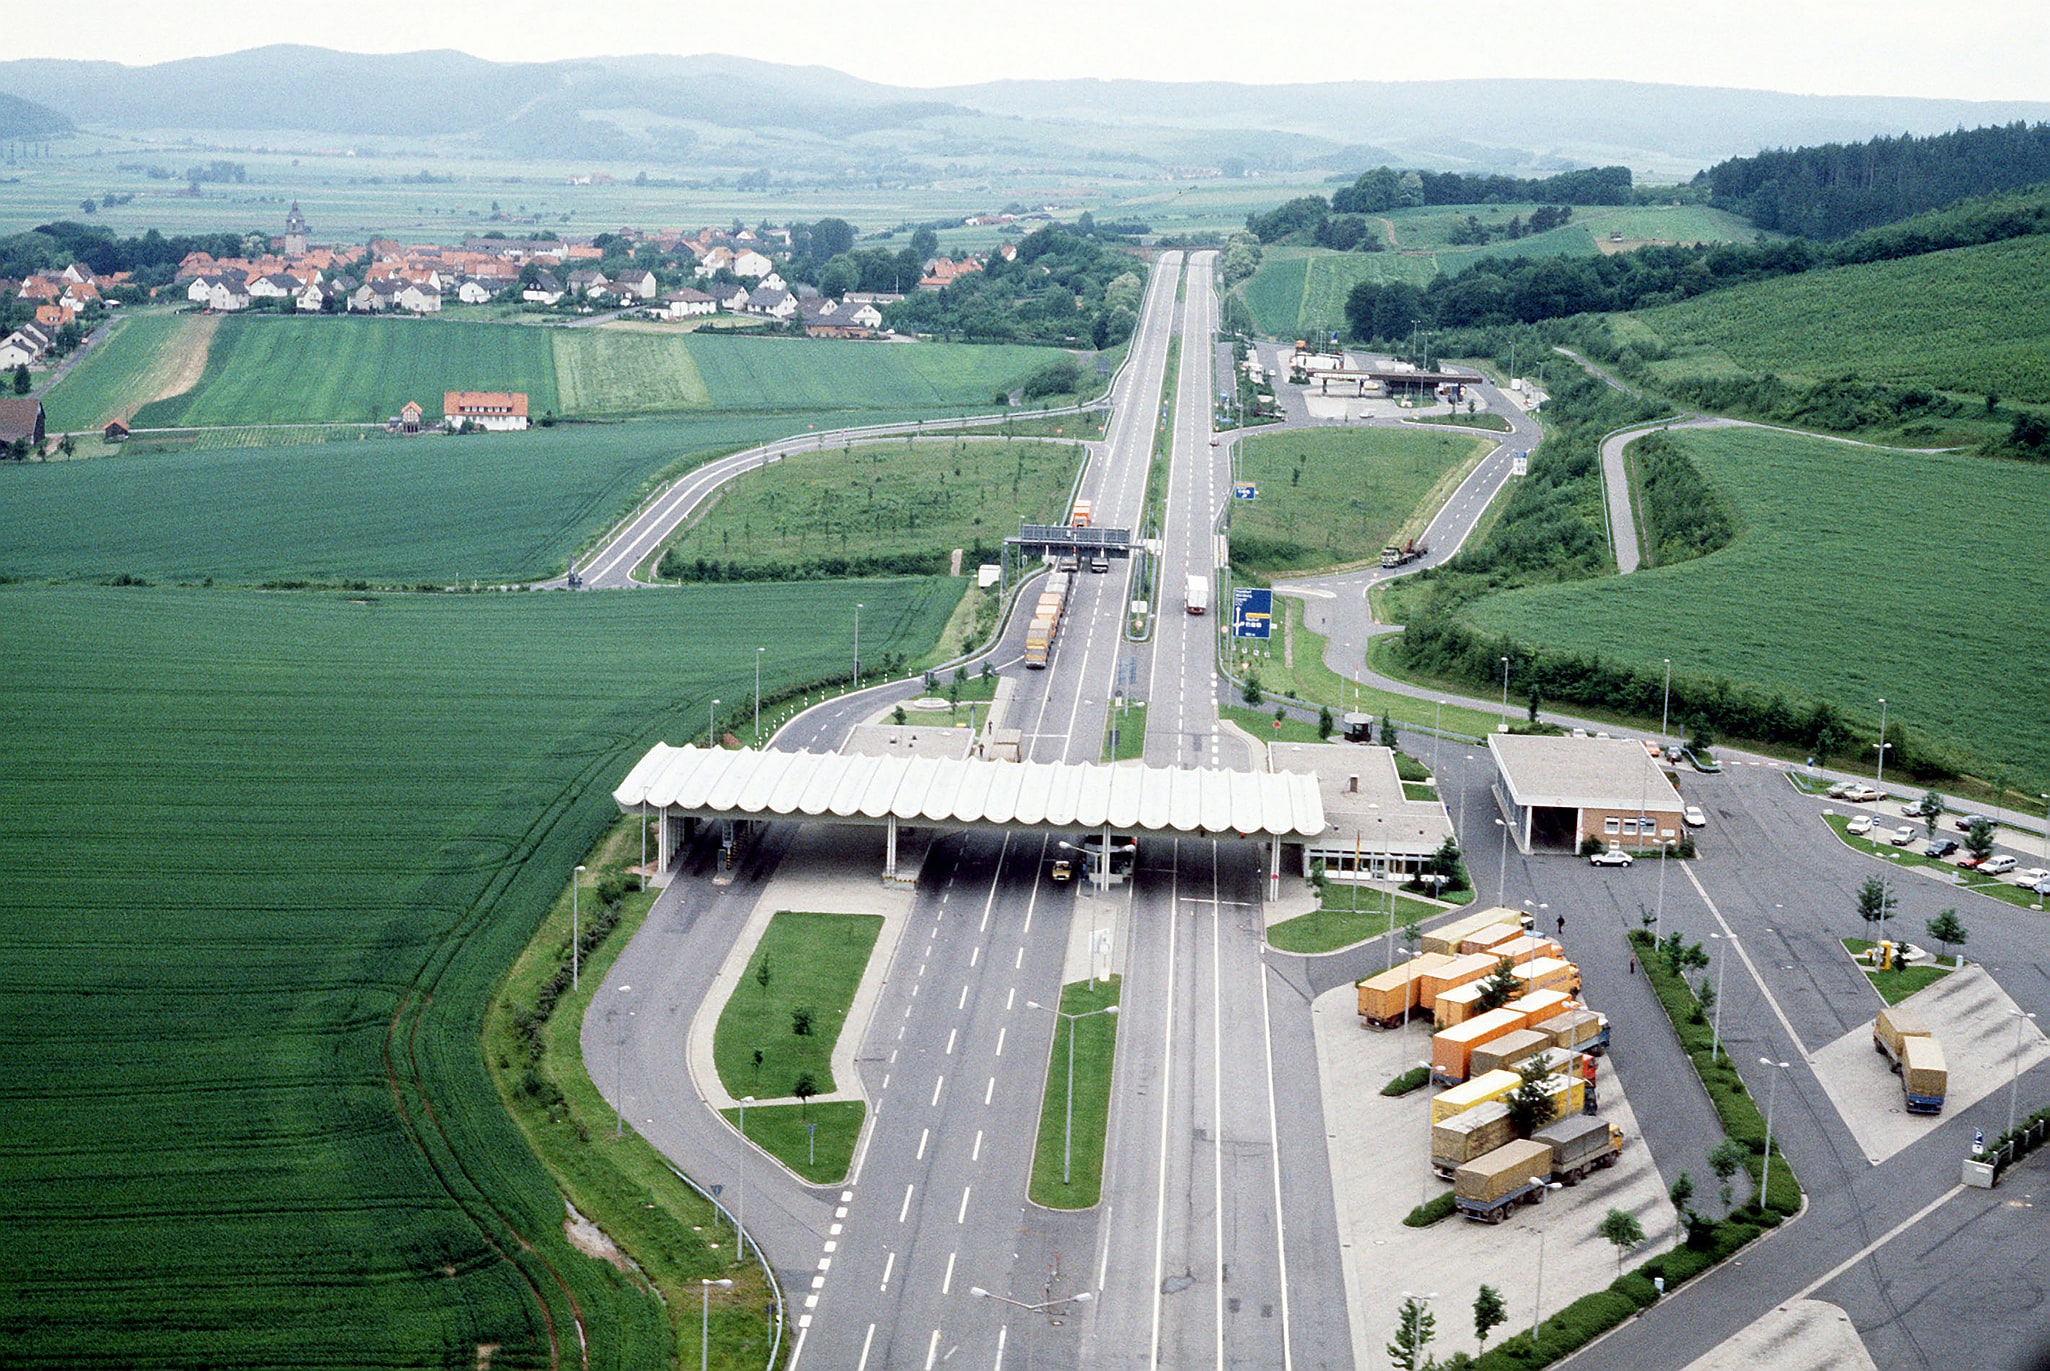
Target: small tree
[[1280, 713], [1948, 929], [21, 381], [1412, 937], [1680, 956], [1251, 693], [800, 1021], [1979, 839], [762, 975], [1724, 1159], [1419, 1327], [758, 1065], [1699, 738], [1325, 723], [1489, 1312], [804, 1088], [1932, 806], [898, 716], [1389, 736], [1500, 988], [1622, 1229], [1875, 903], [1531, 1106], [1537, 701], [1682, 1190]]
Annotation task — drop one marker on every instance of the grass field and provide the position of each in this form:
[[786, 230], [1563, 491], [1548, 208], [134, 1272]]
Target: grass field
[[812, 373], [821, 1157], [266, 860], [1074, 1142], [879, 503], [597, 372], [502, 506], [1338, 924], [815, 962], [1298, 291], [1337, 495], [139, 359], [1970, 320], [1793, 603], [1902, 981]]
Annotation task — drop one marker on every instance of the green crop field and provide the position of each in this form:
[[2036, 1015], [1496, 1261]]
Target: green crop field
[[492, 507], [1334, 495], [141, 357], [1302, 290], [1971, 319], [601, 372], [813, 373], [266, 858], [1793, 605], [881, 501]]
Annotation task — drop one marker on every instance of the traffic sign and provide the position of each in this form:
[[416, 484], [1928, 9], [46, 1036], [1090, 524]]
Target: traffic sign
[[1252, 612], [1244, 490], [1519, 465]]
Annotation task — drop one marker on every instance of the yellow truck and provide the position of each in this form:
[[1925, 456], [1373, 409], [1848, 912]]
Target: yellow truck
[[1899, 1035], [1448, 937], [1488, 1187], [1468, 1134], [1452, 1050], [1388, 998]]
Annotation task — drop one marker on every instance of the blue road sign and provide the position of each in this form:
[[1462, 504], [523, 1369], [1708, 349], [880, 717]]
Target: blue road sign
[[1244, 490], [1252, 612]]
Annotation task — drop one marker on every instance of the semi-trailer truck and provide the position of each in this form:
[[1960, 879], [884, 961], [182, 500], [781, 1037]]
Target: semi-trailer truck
[[1046, 620], [1408, 552]]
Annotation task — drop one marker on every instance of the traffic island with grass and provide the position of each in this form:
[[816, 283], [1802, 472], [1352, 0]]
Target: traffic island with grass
[[776, 1034], [1349, 915], [1895, 983], [1067, 1160]]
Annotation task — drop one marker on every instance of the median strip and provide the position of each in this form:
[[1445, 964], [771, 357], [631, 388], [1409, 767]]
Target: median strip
[[1067, 1160]]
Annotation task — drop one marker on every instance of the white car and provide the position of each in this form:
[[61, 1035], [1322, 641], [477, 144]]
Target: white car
[[1902, 836], [1996, 866], [1694, 817], [2031, 875], [1840, 789], [1614, 856], [1860, 823], [1861, 794], [1912, 809]]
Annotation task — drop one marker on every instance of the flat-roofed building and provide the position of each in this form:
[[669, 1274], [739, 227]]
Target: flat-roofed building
[[1372, 829], [1557, 792]]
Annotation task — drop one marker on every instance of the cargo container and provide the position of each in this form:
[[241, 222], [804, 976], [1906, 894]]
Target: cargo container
[[1083, 513], [1455, 1006], [1507, 1052], [1471, 1133], [1924, 1076], [1456, 972], [1539, 1005], [1388, 997], [1477, 1091], [1046, 620], [1894, 1026], [1447, 937], [1578, 1029], [1526, 948], [1452, 1050], [1488, 937], [1549, 973], [1580, 1143], [1489, 1186]]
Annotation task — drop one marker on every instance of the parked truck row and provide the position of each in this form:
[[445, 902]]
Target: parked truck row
[[1522, 1170], [1899, 1035], [1046, 619]]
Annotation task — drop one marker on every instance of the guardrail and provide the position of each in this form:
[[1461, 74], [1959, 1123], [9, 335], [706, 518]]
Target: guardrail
[[776, 1343]]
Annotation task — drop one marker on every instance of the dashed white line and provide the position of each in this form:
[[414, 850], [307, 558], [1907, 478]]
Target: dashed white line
[[923, 1135], [947, 1281], [1020, 963], [950, 1041], [961, 1215], [1001, 1030], [1010, 998], [976, 1155], [865, 1342], [936, 1092], [932, 1349], [989, 1091], [974, 956], [905, 1208], [964, 998], [889, 1264]]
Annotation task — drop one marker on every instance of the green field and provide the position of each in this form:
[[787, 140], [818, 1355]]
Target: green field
[[267, 857], [275, 369], [877, 507], [1970, 320], [495, 507], [1299, 291], [1074, 1141], [815, 961], [1793, 605], [1330, 496], [1348, 915]]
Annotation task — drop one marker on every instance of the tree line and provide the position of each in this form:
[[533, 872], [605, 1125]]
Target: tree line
[[1384, 189], [1065, 288]]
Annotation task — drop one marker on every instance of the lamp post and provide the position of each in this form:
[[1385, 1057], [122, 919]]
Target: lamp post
[[1437, 735], [740, 1210], [1416, 1321], [2014, 1081], [1068, 1128], [705, 1320], [1882, 744], [1423, 1180], [1505, 690], [1502, 871], [1715, 1042], [619, 1077], [576, 943], [712, 723], [1659, 912], [1666, 706], [857, 647], [1079, 1297], [758, 696], [1772, 1097]]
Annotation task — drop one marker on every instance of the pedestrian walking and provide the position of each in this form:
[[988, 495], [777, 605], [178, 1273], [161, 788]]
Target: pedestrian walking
[[1633, 963], [1562, 925]]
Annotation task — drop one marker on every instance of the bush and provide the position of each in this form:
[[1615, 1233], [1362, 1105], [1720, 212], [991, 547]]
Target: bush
[[1428, 1213], [1412, 1079], [1636, 1287]]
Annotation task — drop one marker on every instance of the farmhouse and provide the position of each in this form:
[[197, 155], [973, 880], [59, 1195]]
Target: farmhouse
[[1557, 792], [545, 290], [489, 409], [21, 420], [16, 350], [635, 281]]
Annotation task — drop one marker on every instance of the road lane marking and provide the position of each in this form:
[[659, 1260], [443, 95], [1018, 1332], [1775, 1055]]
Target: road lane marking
[[1749, 965], [889, 1264], [976, 1155], [961, 1215], [1217, 1091], [932, 1349], [1003, 1331], [963, 1002], [950, 1041], [974, 956], [1882, 1240], [905, 1208], [1010, 998], [947, 1282], [1001, 1030], [923, 1135], [936, 1092], [862, 1365], [1274, 1156], [1166, 1097]]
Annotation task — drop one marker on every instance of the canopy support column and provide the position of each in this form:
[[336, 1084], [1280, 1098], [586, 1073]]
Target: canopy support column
[[890, 851]]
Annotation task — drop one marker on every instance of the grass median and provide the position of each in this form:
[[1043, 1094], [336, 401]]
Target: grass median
[[1338, 923], [1079, 1155]]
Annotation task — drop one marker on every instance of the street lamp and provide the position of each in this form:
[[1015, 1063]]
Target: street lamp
[[1068, 1128], [1765, 1174], [2020, 1020], [619, 1077], [758, 695], [1666, 706], [740, 1211], [1416, 1321], [1502, 871], [576, 888], [705, 1320], [712, 723], [1505, 690], [1437, 735], [1882, 744], [1080, 1297], [857, 647], [1722, 960]]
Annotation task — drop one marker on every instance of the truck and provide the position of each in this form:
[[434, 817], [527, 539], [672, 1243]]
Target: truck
[[1580, 1144], [1452, 1050], [1471, 1133], [1388, 998], [1448, 937], [1548, 973], [1894, 1026], [1456, 972], [1084, 511], [1540, 1005], [1488, 1187], [1578, 1030], [1491, 936], [1475, 1093], [1507, 1052], [1198, 597], [1392, 555], [1046, 620], [1924, 1075]]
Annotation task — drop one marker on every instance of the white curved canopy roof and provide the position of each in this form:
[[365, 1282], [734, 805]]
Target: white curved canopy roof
[[968, 793]]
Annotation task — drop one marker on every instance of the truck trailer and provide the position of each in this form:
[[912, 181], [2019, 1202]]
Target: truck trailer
[[1488, 1187], [1197, 598], [1580, 1144], [1394, 555], [1388, 998], [1469, 1134]]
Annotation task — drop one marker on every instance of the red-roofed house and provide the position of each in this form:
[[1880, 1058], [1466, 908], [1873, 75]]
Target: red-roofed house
[[490, 409]]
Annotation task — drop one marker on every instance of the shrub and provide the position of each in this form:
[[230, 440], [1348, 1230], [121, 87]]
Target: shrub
[[1412, 1079], [1428, 1213]]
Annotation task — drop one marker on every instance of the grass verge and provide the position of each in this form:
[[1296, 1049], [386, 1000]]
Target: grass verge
[[1306, 677], [1428, 1213], [813, 964], [822, 1154], [1413, 1079], [1896, 985], [1337, 924], [673, 1235], [1095, 1048], [1124, 734]]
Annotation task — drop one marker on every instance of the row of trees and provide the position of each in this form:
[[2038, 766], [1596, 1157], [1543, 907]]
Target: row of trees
[[1384, 189], [1065, 287]]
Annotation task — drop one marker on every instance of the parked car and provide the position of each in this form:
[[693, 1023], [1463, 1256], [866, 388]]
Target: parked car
[[1839, 790], [1939, 847], [1062, 870], [1861, 794], [1903, 835], [1614, 856], [1996, 866], [1913, 810], [1694, 817], [2032, 875], [1860, 823], [2042, 887], [1673, 753], [1970, 861], [1965, 821]]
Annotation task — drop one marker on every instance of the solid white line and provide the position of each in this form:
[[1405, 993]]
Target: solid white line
[[1103, 1265], [961, 1214], [905, 1208], [923, 1134], [889, 1264], [858, 1366], [1730, 935], [947, 1282], [1217, 1093], [1274, 1151], [1166, 1095], [1882, 1240], [936, 1092]]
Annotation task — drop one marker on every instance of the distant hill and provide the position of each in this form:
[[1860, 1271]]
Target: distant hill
[[658, 108], [21, 118]]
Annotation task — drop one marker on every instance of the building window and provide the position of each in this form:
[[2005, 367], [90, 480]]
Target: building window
[[1611, 825]]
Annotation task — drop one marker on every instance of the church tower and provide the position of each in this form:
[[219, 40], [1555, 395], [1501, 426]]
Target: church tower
[[295, 232]]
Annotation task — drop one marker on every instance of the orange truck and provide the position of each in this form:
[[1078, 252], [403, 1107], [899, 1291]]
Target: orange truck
[[1084, 512], [1452, 1050], [1549, 973], [1448, 937], [1388, 998], [1454, 973]]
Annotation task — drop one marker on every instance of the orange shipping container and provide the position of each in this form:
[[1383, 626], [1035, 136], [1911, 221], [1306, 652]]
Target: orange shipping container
[[1526, 948], [1383, 997], [1540, 1005], [1457, 1005], [1456, 972], [1452, 1050], [1447, 937], [1550, 973], [1489, 937]]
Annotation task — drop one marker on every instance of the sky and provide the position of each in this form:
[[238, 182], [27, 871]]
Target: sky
[[1965, 49]]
